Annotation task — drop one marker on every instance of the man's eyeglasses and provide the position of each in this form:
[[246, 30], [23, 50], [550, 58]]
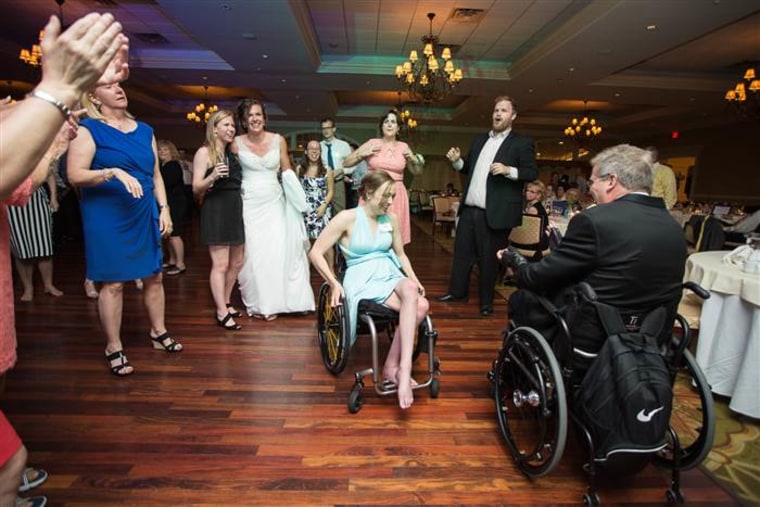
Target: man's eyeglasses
[[328, 127], [591, 181]]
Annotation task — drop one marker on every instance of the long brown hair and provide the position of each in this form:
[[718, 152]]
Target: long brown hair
[[321, 169]]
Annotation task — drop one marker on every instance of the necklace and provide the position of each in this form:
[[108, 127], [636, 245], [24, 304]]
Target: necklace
[[120, 125]]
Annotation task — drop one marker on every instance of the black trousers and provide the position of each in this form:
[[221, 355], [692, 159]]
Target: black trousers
[[475, 243]]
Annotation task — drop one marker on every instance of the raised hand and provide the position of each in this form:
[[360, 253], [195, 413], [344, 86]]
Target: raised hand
[[74, 60]]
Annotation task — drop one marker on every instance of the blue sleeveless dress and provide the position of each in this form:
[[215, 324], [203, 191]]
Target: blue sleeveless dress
[[373, 270], [122, 237]]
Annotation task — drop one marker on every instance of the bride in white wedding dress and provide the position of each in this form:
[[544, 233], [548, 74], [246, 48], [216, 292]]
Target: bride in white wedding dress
[[275, 274]]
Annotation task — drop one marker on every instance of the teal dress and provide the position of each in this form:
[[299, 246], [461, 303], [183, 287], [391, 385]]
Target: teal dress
[[373, 270], [122, 237]]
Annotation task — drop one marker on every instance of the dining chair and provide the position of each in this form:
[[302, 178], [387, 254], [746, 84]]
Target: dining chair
[[527, 237], [442, 213]]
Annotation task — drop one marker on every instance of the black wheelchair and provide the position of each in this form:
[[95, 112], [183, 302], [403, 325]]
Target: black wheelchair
[[334, 331], [534, 393]]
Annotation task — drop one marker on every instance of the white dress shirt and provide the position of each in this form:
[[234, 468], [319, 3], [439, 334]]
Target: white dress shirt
[[476, 192]]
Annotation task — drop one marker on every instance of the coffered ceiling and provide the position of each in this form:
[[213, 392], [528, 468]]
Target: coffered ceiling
[[642, 66]]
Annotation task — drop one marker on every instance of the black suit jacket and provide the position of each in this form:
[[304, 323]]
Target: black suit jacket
[[504, 196], [630, 251]]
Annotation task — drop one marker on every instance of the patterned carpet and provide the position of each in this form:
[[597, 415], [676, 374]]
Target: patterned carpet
[[735, 457]]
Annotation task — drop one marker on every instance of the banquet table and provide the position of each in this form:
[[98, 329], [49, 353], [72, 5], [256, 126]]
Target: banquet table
[[728, 349]]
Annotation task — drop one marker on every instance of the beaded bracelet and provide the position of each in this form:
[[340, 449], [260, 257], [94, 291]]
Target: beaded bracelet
[[42, 95]]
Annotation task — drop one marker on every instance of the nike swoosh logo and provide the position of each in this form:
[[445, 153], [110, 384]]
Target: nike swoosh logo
[[642, 416]]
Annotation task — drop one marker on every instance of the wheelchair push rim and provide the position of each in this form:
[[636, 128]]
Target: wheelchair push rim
[[332, 332], [693, 416], [531, 407]]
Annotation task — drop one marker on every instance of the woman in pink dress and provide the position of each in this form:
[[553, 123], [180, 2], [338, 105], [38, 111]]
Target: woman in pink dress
[[392, 156]]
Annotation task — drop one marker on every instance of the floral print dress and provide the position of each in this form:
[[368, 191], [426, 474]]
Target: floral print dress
[[316, 193]]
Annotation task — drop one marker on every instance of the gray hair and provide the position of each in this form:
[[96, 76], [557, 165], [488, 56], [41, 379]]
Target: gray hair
[[632, 166]]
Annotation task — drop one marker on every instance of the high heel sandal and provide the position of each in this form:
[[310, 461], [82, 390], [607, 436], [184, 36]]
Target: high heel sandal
[[226, 324], [166, 342], [119, 364], [234, 313], [90, 290]]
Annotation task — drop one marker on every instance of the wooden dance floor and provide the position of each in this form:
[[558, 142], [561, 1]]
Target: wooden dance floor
[[253, 418]]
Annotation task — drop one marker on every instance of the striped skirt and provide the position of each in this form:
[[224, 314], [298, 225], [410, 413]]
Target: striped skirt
[[31, 227]]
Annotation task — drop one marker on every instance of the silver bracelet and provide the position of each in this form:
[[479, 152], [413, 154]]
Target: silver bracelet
[[42, 95]]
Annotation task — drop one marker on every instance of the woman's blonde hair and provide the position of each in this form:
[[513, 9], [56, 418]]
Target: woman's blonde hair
[[213, 121], [540, 186], [173, 151]]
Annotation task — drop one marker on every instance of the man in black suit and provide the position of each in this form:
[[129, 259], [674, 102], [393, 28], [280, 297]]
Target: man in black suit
[[628, 247], [498, 164]]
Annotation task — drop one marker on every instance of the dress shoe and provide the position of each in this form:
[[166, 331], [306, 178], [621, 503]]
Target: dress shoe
[[486, 310], [450, 298]]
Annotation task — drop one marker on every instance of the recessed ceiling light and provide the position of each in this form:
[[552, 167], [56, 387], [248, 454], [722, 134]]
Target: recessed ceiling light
[[651, 27], [617, 95], [571, 69], [562, 142], [265, 56], [283, 80]]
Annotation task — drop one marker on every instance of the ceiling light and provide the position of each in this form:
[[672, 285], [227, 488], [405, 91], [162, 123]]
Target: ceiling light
[[425, 79], [584, 127], [745, 96], [202, 111]]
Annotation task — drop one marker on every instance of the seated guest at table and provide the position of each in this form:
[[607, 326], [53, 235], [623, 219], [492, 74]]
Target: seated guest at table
[[737, 232], [369, 236], [559, 203], [627, 248], [534, 197]]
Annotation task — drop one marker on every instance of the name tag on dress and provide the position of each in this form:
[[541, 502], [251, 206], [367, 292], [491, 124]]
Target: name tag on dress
[[384, 227]]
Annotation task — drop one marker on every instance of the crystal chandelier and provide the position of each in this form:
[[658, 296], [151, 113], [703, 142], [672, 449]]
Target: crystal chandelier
[[584, 127], [424, 79], [202, 111], [745, 96]]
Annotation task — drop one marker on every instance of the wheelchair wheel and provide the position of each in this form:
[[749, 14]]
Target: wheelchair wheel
[[333, 332], [693, 416], [530, 402]]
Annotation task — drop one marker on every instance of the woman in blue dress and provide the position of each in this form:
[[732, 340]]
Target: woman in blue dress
[[370, 239], [124, 214]]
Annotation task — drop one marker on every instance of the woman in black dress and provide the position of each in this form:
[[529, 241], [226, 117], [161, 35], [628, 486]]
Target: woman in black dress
[[216, 184], [171, 172]]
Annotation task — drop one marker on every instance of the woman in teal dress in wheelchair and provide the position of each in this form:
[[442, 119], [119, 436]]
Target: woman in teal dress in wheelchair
[[377, 269]]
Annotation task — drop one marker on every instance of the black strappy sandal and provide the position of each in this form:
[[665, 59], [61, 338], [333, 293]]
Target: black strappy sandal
[[166, 342], [236, 313], [226, 324], [119, 364]]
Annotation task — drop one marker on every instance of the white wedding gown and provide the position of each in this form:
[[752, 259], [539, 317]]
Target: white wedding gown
[[275, 274]]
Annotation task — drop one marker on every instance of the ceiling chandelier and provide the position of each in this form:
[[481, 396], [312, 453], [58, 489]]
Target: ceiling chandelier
[[584, 127], [202, 111], [424, 79], [33, 56], [745, 96], [407, 123]]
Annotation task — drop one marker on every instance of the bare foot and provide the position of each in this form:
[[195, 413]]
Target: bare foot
[[405, 393], [53, 291], [27, 297]]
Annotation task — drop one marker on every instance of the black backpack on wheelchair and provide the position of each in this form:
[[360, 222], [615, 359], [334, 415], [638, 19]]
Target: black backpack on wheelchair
[[626, 396], [544, 361]]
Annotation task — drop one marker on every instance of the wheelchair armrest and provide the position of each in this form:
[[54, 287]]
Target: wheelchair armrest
[[697, 289]]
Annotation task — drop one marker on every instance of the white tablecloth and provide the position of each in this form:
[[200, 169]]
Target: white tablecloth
[[728, 349]]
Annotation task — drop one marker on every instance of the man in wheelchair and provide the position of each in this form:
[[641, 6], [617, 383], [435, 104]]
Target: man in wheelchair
[[370, 241], [628, 249]]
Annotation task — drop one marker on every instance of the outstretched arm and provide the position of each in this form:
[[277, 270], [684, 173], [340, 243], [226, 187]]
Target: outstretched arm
[[73, 62]]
